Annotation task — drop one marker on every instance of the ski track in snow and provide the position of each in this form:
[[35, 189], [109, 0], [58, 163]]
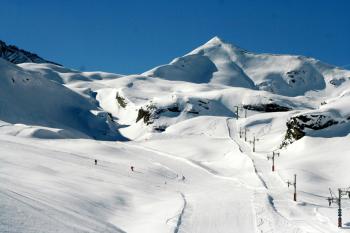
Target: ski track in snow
[[265, 223], [233, 138], [179, 220], [180, 215]]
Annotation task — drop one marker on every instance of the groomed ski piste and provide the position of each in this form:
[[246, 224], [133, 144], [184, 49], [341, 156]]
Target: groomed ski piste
[[194, 170]]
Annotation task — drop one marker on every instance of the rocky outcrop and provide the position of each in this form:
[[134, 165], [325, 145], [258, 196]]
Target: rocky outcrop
[[150, 112], [298, 125], [15, 55], [121, 100], [272, 107], [337, 82]]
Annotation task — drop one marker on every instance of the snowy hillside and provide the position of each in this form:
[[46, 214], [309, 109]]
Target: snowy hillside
[[197, 133], [218, 62], [34, 101]]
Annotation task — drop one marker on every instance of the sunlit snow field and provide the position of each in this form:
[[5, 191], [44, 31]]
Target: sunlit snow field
[[192, 171]]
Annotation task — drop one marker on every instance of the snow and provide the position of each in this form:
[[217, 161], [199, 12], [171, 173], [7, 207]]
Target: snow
[[35, 100], [193, 172], [287, 75]]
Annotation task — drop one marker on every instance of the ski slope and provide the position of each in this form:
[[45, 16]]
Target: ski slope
[[177, 125], [55, 186], [60, 188]]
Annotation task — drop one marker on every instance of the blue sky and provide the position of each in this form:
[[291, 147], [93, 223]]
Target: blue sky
[[134, 36]]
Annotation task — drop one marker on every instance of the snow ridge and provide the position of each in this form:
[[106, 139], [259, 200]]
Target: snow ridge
[[15, 55]]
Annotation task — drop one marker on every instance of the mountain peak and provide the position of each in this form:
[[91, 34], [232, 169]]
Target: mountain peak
[[215, 40], [218, 42]]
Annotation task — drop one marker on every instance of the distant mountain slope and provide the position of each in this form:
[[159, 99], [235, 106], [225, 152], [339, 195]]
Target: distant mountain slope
[[206, 65], [217, 62], [31, 99], [212, 80], [15, 55], [64, 75]]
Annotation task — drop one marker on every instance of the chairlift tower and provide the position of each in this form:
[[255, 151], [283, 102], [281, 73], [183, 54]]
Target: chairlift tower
[[239, 108], [254, 142], [289, 183], [342, 194], [274, 153]]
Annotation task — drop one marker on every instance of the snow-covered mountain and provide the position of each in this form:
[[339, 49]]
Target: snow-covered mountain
[[218, 62], [35, 101], [190, 126], [15, 55]]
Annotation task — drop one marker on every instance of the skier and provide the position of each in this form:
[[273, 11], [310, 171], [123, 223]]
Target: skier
[[183, 178], [132, 168], [95, 161]]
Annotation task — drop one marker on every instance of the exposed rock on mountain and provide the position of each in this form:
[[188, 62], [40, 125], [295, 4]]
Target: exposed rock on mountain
[[297, 126], [267, 108], [16, 55]]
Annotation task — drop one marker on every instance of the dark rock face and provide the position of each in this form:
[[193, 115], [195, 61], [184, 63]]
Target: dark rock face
[[151, 112], [174, 108], [294, 132], [297, 125], [272, 107], [145, 114], [160, 128], [121, 100], [15, 55], [295, 75], [337, 82], [315, 121]]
